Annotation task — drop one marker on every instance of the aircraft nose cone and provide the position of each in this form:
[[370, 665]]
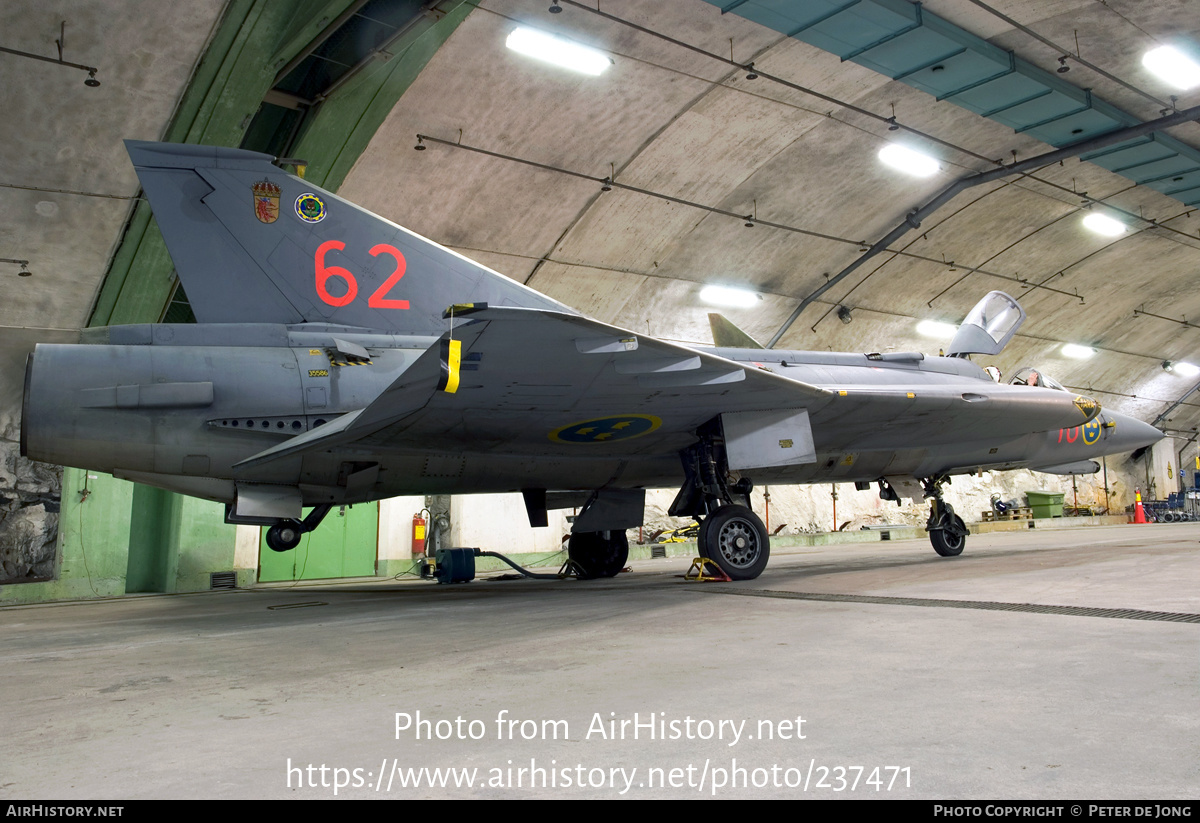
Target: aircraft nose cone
[[1132, 434]]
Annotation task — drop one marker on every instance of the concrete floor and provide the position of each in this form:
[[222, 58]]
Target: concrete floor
[[214, 695]]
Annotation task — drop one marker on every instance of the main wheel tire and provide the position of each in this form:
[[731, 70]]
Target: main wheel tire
[[285, 536], [597, 555], [947, 544], [736, 540]]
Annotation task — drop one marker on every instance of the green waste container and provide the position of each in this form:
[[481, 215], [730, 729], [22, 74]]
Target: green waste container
[[1045, 504]]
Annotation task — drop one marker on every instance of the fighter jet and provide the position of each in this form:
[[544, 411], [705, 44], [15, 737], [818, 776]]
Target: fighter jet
[[339, 358]]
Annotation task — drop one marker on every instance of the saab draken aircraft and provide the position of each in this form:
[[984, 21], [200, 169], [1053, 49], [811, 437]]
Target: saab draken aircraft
[[339, 358]]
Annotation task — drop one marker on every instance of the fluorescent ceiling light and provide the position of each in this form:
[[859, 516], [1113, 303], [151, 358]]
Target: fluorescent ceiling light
[[1103, 224], [932, 328], [1185, 369], [557, 51], [728, 296], [1078, 352], [908, 160], [1173, 67]]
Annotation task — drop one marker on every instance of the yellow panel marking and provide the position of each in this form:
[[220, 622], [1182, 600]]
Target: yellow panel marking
[[785, 444], [314, 351], [453, 360], [911, 395], [318, 372], [843, 393]]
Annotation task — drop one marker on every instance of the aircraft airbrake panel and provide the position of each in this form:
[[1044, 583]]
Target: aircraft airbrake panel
[[760, 439]]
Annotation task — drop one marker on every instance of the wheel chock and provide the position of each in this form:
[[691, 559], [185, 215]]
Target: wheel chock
[[700, 566], [570, 569]]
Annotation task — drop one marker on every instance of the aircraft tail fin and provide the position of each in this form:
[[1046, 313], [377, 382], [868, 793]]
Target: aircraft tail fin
[[254, 244], [728, 336]]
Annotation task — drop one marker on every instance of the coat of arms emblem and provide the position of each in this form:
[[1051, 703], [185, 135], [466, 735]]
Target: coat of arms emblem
[[266, 201]]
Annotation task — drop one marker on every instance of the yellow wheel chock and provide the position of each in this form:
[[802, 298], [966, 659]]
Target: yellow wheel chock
[[701, 566]]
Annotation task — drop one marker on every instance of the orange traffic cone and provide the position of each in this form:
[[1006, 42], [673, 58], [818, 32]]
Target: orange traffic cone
[[1139, 514]]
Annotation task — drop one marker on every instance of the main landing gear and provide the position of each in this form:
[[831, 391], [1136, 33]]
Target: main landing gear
[[947, 531], [285, 535], [731, 535], [598, 554]]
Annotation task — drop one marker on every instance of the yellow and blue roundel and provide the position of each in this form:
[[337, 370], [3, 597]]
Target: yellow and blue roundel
[[310, 208], [606, 429], [1091, 431]]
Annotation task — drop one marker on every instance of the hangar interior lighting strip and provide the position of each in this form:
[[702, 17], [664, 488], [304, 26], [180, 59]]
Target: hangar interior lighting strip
[[558, 51], [892, 123], [751, 219], [1172, 66]]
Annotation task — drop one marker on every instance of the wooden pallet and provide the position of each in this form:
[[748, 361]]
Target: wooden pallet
[[1022, 513]]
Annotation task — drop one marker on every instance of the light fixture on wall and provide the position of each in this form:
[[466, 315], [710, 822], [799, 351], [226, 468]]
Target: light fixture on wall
[[24, 264], [909, 161], [1173, 67], [555, 8], [1077, 352], [1104, 225], [1181, 368], [91, 80], [844, 315], [559, 52], [729, 296], [936, 328]]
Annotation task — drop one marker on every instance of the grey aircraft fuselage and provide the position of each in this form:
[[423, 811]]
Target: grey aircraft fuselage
[[179, 406]]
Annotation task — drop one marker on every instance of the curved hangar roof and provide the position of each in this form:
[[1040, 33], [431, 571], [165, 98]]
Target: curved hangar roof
[[766, 177]]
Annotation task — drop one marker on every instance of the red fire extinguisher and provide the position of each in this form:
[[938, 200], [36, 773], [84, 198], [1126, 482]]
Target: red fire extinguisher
[[418, 536]]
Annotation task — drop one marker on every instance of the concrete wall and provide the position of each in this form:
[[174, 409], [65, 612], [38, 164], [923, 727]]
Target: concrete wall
[[810, 509]]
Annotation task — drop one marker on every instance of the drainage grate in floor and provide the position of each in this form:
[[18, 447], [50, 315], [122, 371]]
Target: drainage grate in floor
[[304, 605], [985, 605]]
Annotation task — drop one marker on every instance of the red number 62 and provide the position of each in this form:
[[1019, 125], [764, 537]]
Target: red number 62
[[378, 300]]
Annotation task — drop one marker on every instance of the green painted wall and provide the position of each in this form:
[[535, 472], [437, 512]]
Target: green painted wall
[[93, 541], [251, 44], [347, 121], [152, 515], [345, 545], [124, 537]]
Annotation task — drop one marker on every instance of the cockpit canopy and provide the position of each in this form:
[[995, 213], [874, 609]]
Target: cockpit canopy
[[1029, 376], [989, 326]]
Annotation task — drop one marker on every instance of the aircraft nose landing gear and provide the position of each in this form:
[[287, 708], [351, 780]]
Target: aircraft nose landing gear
[[731, 535], [947, 531], [735, 538]]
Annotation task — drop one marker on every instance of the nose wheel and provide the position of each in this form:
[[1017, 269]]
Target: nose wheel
[[947, 531], [735, 539]]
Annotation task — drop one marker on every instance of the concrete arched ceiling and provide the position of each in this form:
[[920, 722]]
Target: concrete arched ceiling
[[682, 124]]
